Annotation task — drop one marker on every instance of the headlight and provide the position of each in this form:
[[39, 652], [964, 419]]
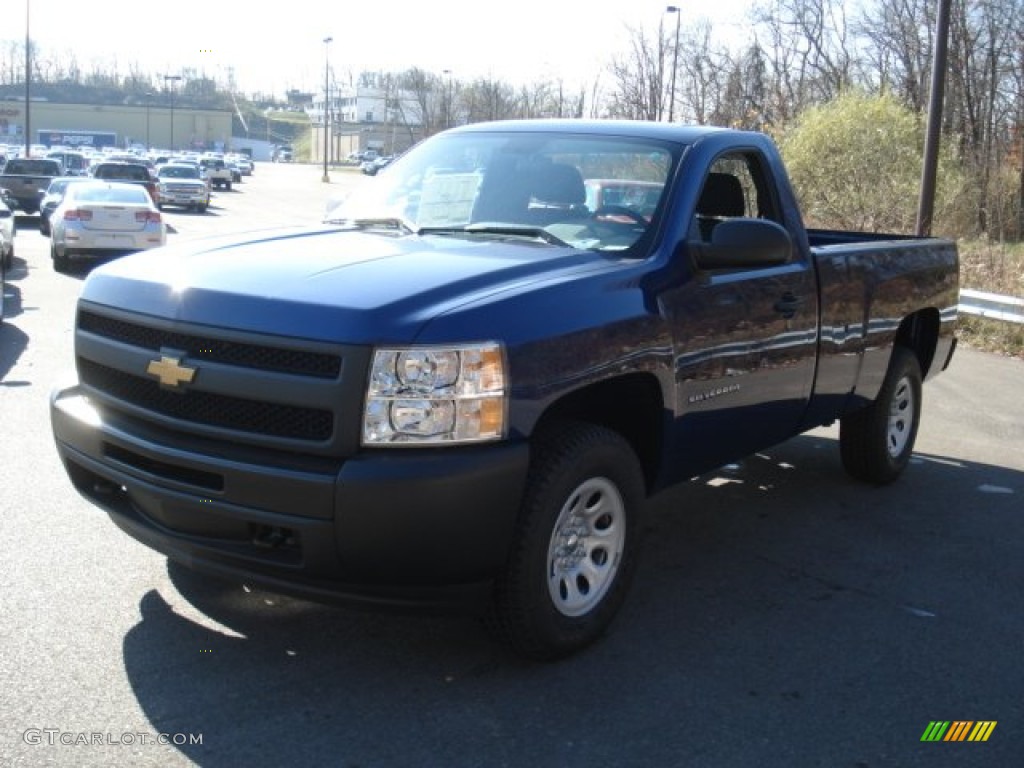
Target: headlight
[[431, 395]]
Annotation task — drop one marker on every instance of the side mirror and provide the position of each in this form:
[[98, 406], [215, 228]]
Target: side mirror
[[745, 244]]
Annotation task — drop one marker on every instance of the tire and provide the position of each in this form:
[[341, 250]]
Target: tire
[[201, 207], [876, 443], [584, 491], [227, 184], [61, 262]]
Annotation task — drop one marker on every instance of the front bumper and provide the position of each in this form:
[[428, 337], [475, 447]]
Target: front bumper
[[426, 528], [188, 198]]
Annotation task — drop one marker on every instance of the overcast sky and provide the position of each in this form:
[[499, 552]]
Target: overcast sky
[[274, 47]]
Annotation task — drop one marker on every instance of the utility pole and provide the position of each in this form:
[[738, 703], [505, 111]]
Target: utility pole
[[926, 203], [675, 65], [327, 105]]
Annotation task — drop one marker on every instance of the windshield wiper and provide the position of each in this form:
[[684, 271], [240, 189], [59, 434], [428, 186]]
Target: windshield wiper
[[513, 230], [381, 222], [397, 222]]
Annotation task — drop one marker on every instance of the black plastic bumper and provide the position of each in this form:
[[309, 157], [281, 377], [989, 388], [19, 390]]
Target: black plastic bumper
[[411, 528]]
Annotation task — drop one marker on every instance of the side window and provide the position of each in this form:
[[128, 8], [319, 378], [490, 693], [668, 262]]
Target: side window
[[736, 186]]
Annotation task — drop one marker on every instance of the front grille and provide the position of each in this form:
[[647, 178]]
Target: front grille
[[208, 408], [244, 355]]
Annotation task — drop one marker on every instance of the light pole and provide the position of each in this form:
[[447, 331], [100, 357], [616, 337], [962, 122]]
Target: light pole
[[327, 105], [149, 103], [675, 65], [448, 99], [28, 80], [172, 79]]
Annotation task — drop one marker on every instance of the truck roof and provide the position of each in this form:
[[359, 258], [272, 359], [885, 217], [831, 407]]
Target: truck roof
[[646, 129]]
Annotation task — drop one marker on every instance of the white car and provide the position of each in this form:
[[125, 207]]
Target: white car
[[6, 233], [104, 218]]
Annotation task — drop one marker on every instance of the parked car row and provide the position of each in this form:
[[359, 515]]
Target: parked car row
[[117, 206]]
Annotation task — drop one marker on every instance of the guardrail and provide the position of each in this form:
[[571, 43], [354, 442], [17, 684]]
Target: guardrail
[[992, 306]]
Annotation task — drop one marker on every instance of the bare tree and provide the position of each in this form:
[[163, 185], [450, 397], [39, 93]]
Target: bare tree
[[745, 102], [985, 39], [427, 90], [639, 77], [810, 53], [703, 76], [898, 49], [486, 99]]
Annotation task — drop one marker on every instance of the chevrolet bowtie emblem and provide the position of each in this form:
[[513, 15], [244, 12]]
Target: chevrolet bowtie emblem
[[169, 370]]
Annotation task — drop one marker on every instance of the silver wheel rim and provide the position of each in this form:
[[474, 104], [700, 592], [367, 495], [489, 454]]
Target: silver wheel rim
[[901, 418], [586, 546]]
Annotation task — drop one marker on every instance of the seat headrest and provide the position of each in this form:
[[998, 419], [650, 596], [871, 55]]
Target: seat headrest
[[558, 184], [722, 196]]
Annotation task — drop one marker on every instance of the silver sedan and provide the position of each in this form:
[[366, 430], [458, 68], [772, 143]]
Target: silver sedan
[[104, 218]]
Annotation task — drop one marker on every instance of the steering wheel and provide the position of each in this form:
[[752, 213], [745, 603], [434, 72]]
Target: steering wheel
[[612, 211]]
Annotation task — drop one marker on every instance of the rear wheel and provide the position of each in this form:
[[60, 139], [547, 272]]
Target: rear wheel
[[876, 443], [576, 542], [61, 262]]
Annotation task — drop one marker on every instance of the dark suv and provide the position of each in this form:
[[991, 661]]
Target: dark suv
[[137, 173]]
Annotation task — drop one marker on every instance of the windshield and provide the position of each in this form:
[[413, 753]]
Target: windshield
[[108, 193], [547, 186], [178, 172]]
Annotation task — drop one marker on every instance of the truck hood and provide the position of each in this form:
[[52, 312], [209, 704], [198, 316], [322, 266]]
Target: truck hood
[[327, 284]]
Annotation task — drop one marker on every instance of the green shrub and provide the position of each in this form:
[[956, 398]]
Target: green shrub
[[856, 164]]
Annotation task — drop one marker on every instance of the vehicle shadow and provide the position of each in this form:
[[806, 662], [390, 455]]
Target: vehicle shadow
[[13, 341], [26, 221], [776, 600]]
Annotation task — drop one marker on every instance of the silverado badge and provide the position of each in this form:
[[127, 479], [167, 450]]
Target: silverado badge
[[169, 370]]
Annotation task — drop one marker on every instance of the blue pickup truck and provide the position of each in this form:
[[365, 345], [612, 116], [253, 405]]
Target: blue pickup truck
[[461, 388]]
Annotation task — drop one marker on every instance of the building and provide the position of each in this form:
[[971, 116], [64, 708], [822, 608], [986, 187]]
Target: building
[[365, 118], [146, 125]]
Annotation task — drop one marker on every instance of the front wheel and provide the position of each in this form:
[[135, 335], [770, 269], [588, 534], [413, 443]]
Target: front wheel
[[576, 542], [876, 442]]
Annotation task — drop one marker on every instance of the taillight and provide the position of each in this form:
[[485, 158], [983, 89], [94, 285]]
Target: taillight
[[146, 217], [77, 214]]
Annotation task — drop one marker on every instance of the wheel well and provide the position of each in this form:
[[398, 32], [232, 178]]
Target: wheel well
[[630, 405], [919, 333]]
